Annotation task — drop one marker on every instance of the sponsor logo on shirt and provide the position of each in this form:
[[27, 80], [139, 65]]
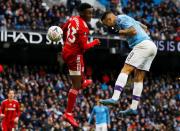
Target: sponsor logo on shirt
[[10, 109]]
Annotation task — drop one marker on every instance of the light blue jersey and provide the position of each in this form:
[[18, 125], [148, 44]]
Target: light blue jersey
[[124, 22], [101, 113]]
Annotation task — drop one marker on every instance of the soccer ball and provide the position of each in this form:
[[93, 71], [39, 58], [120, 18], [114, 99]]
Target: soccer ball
[[55, 33]]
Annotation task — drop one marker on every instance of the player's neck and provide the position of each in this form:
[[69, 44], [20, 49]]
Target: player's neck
[[115, 19], [83, 18], [10, 99]]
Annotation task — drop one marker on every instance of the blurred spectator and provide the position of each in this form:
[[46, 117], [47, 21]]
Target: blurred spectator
[[160, 16]]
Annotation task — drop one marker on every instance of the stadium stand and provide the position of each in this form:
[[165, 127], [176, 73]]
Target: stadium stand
[[42, 94], [161, 17]]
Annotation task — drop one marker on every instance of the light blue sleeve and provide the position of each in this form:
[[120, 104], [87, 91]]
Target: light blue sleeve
[[91, 116], [125, 22], [108, 116], [138, 22]]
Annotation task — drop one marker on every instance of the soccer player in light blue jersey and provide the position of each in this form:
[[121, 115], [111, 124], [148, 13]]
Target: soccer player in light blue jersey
[[101, 114], [138, 61]]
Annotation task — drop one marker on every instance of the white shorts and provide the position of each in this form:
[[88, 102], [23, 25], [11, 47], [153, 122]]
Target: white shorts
[[101, 127], [142, 55]]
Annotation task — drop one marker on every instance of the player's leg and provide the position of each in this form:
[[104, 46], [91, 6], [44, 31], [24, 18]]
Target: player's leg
[[144, 54], [138, 87], [75, 65], [119, 85], [4, 126], [122, 80], [129, 66], [85, 82], [98, 127], [12, 127], [73, 92], [104, 127], [139, 74], [137, 90]]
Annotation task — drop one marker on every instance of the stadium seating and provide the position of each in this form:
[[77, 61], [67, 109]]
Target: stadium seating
[[160, 16], [43, 96]]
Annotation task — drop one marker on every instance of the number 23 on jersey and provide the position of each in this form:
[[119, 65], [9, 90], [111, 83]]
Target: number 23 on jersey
[[71, 33]]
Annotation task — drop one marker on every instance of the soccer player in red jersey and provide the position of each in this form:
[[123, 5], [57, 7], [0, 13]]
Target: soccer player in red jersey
[[10, 112], [76, 33]]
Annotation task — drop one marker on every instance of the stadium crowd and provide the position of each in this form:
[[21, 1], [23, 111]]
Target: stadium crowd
[[161, 17], [42, 92]]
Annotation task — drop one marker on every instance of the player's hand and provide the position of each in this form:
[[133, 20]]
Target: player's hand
[[97, 41], [147, 31], [2, 115], [109, 126], [16, 120]]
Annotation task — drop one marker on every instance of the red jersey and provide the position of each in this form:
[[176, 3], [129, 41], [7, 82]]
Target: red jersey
[[10, 109], [76, 33]]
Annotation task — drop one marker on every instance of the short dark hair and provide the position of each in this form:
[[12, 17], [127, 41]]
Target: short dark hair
[[84, 6], [105, 15]]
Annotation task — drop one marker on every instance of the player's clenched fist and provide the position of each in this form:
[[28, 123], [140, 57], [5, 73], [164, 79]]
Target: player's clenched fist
[[97, 41]]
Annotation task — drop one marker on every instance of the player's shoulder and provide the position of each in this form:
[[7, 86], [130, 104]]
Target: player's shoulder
[[74, 20], [81, 21], [105, 107], [4, 101], [96, 107], [124, 17], [15, 101], [121, 15]]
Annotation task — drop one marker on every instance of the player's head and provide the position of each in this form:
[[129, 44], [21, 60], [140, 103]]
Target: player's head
[[11, 94], [97, 100], [108, 18], [86, 11]]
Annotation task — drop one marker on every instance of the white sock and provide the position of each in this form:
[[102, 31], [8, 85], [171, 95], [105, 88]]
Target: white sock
[[137, 90], [119, 85]]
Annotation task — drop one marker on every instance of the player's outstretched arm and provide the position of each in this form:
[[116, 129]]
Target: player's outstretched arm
[[131, 31], [87, 45], [143, 26]]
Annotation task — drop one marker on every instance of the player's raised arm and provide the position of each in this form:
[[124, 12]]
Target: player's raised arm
[[87, 45], [128, 32], [127, 27], [143, 26]]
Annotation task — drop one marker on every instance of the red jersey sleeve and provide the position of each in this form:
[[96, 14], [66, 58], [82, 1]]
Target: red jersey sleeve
[[83, 37], [2, 107], [87, 45]]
